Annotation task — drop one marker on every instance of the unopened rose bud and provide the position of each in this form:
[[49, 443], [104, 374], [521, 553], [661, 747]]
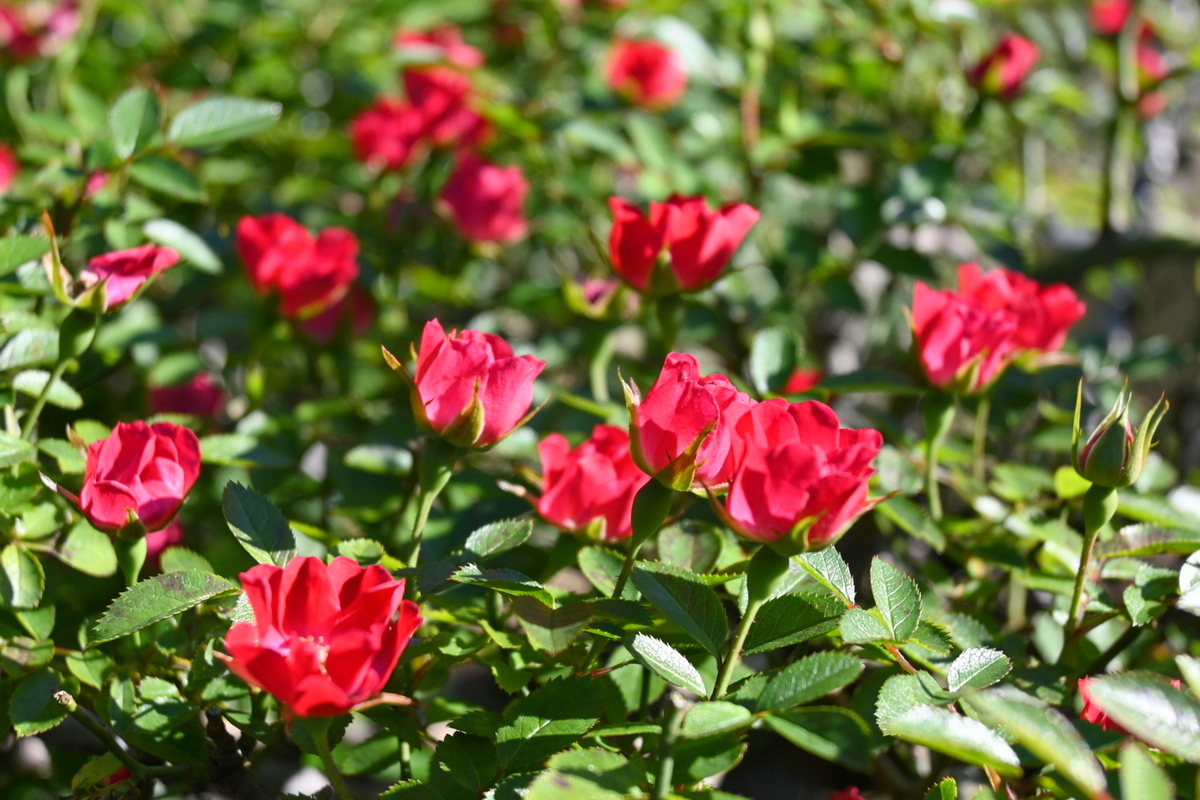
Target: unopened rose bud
[[1115, 453]]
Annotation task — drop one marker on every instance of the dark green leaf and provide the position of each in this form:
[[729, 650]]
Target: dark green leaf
[[792, 619], [215, 120], [860, 626], [896, 597], [507, 581], [466, 761], [684, 599], [28, 348], [913, 520], [601, 567], [169, 177], [772, 358], [666, 662], [14, 450], [259, 526], [21, 578], [33, 382], [587, 774], [831, 733], [828, 568], [88, 550], [714, 718], [809, 678], [551, 629], [33, 708], [496, 538], [549, 720], [156, 599], [689, 546]]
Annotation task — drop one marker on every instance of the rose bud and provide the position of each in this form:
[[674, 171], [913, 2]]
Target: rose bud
[[135, 480], [9, 168], [199, 396], [1002, 72], [698, 242], [325, 638], [1091, 710], [1043, 314], [799, 478], [388, 134], [1108, 16], [589, 490], [484, 201], [469, 388], [1114, 454], [680, 433], [124, 271], [962, 346], [646, 73], [308, 274]]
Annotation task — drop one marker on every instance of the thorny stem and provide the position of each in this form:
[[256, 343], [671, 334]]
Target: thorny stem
[[672, 720], [31, 419], [1099, 506], [979, 444], [100, 732], [321, 741]]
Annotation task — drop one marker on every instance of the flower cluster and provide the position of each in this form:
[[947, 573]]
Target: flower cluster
[[646, 73], [966, 339]]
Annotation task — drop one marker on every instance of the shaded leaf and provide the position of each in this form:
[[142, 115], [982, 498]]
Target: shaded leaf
[[158, 598], [551, 629], [549, 720], [686, 600], [259, 526], [496, 538], [835, 734]]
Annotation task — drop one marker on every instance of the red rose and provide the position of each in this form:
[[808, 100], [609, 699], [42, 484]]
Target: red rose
[[1151, 69], [680, 433], [324, 637], [281, 256], [357, 307], [387, 134], [1109, 16], [469, 388], [962, 345], [699, 241], [847, 794], [9, 167], [590, 489], [1002, 71], [124, 271], [484, 201], [1042, 313], [798, 474], [141, 469], [199, 396], [802, 379], [1091, 711], [646, 73], [443, 44], [443, 97], [32, 29]]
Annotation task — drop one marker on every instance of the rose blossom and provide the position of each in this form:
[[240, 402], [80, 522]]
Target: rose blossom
[[1108, 16], [1043, 314], [484, 201], [324, 638], [798, 474], [9, 168], [199, 396], [357, 308], [444, 98], [469, 388], [646, 73], [124, 271], [388, 134], [1002, 72], [309, 274], [590, 489], [962, 346], [680, 432], [802, 379], [698, 240], [1151, 69], [143, 470]]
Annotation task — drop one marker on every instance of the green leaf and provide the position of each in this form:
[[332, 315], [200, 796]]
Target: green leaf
[[932, 636], [551, 629], [466, 761], [88, 550], [601, 567], [496, 538], [1142, 777], [549, 720], [832, 733], [216, 120], [259, 526], [380, 459], [191, 248], [714, 718], [772, 358], [792, 619], [21, 578], [1151, 709], [903, 692], [914, 520], [179, 559], [689, 546], [1043, 731], [955, 735], [507, 581], [90, 667], [666, 662], [977, 667], [829, 570], [945, 789], [33, 708], [809, 678], [169, 177], [133, 120], [70, 460], [28, 348], [33, 381], [860, 626], [18, 250], [1068, 484], [156, 599], [14, 450], [1149, 540], [587, 774], [896, 597], [683, 598]]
